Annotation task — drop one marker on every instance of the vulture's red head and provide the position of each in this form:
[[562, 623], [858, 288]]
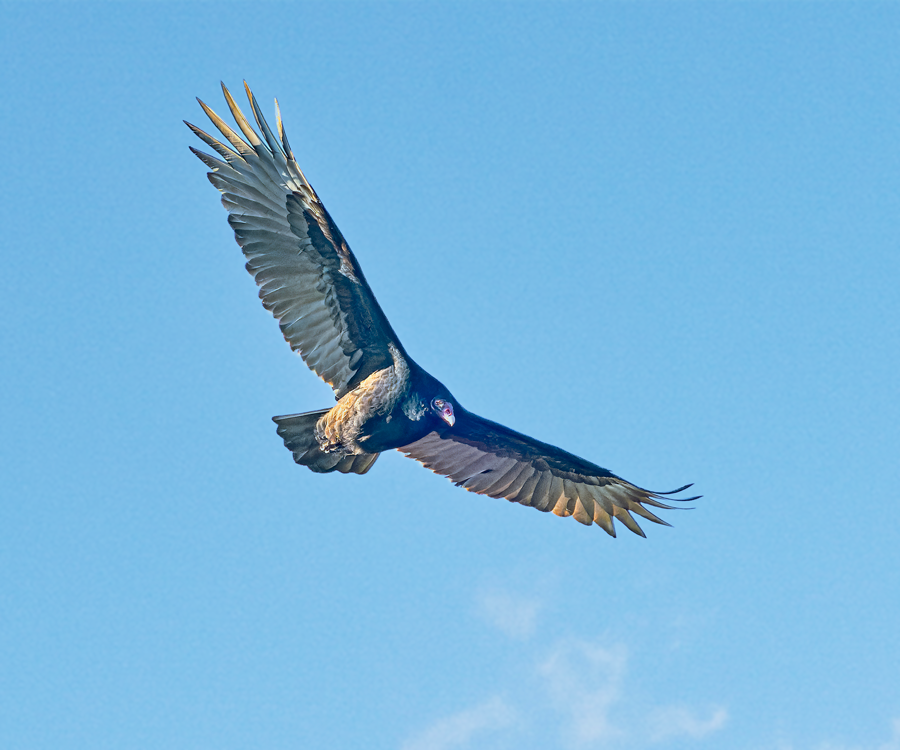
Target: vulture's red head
[[444, 409]]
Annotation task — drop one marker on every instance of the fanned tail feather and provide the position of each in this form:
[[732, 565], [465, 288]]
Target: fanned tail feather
[[299, 434]]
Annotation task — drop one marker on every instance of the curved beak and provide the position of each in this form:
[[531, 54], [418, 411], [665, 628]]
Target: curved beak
[[447, 415]]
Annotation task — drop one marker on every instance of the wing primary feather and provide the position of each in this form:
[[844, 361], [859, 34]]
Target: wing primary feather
[[650, 500], [603, 499], [279, 125], [271, 140], [220, 148], [625, 517], [293, 167], [239, 118], [217, 165], [263, 157], [604, 521], [675, 492], [644, 513], [233, 138]]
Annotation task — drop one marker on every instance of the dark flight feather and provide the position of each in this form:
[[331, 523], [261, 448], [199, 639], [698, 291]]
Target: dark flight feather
[[490, 459], [308, 277]]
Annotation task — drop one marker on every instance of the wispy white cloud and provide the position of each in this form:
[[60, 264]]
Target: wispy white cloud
[[584, 701], [681, 721], [569, 692], [515, 616], [893, 742], [459, 729], [585, 681]]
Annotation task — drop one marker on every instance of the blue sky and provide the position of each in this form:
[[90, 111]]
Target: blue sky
[[662, 236]]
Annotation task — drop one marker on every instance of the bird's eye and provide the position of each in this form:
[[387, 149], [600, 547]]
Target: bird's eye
[[438, 403]]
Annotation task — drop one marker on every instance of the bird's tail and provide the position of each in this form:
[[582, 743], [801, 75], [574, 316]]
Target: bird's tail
[[299, 434]]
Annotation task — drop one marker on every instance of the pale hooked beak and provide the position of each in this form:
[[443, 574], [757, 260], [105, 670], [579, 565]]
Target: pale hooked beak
[[446, 413]]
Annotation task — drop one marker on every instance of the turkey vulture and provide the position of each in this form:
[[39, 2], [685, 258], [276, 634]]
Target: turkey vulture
[[312, 283]]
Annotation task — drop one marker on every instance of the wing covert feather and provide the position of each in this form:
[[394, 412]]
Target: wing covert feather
[[308, 277], [489, 459]]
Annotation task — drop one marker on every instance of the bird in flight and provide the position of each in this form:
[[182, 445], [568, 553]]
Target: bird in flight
[[312, 283]]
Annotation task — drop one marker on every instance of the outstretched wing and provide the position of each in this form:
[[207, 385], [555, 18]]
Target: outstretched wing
[[490, 459], [308, 277]]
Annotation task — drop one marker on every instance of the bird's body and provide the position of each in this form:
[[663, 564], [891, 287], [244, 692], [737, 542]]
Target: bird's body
[[385, 411], [313, 285]]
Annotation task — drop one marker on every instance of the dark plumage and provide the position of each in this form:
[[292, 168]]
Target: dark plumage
[[312, 283]]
